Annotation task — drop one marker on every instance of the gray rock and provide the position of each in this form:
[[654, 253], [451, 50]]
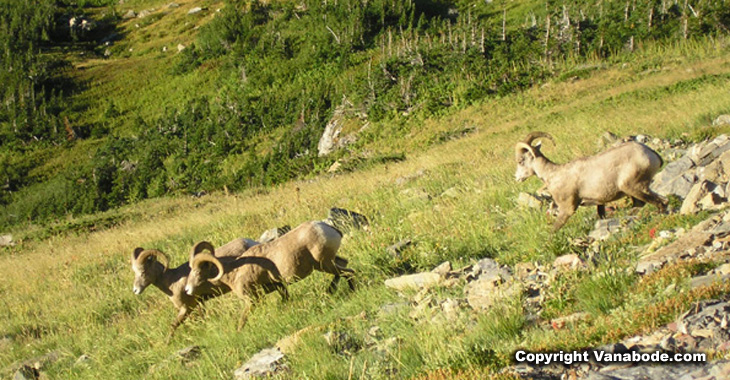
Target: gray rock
[[707, 280], [144, 13], [189, 353], [604, 228], [346, 220], [26, 373], [130, 14], [396, 249], [489, 270], [692, 203], [266, 363], [413, 281], [195, 10], [677, 178], [173, 5], [6, 240], [484, 293], [273, 234], [721, 120], [569, 261], [530, 200], [645, 372], [443, 269]]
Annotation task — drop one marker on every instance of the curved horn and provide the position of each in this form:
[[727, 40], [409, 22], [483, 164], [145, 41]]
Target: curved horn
[[161, 257], [200, 247], [207, 257], [520, 146], [136, 252], [536, 135]]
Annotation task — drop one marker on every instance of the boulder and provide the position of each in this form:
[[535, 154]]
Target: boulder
[[273, 234], [130, 14], [264, 364], [413, 281], [677, 178], [692, 203], [6, 240], [721, 121]]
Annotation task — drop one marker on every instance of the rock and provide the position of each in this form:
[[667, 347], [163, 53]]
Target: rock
[[721, 121], [692, 204], [712, 201], [707, 280], [443, 269], [26, 373], [331, 139], [530, 200], [266, 363], [649, 372], [335, 167], [723, 269], [180, 47], [173, 5], [569, 261], [273, 234], [676, 178], [144, 13], [130, 14], [413, 281], [189, 353], [396, 249], [698, 236], [83, 360], [195, 10], [483, 293], [451, 192], [607, 139], [604, 228], [489, 270], [346, 220], [6, 240]]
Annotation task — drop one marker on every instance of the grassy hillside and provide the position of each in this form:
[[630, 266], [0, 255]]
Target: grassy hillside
[[236, 96], [71, 291]]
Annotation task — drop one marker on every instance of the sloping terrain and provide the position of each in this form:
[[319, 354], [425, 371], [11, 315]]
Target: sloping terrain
[[70, 292]]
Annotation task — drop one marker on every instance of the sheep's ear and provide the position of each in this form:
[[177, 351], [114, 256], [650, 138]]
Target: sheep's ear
[[136, 252]]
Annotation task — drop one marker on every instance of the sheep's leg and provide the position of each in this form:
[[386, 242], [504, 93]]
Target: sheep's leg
[[601, 209], [282, 290], [566, 209], [181, 316], [646, 195], [338, 272], [246, 310], [636, 202]]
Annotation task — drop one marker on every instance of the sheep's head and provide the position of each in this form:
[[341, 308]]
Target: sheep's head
[[147, 265], [204, 266], [525, 155]]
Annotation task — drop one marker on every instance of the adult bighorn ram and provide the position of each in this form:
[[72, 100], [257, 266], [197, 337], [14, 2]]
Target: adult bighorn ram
[[624, 170], [150, 267], [292, 257]]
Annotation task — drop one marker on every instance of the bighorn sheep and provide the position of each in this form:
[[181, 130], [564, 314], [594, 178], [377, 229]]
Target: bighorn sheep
[[292, 257], [151, 268], [624, 170]]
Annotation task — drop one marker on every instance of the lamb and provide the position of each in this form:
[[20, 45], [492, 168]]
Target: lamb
[[150, 267], [624, 170], [292, 257]]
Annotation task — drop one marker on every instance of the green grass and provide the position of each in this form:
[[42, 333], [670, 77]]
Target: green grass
[[67, 286]]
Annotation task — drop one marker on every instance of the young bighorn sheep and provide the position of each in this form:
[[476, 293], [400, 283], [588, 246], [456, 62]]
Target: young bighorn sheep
[[292, 257], [150, 267], [624, 170]]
